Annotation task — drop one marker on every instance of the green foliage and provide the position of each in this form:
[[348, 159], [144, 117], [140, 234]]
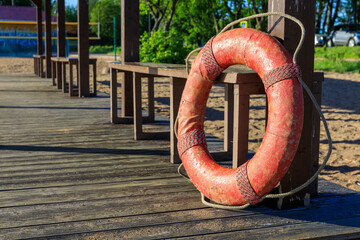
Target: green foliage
[[71, 13], [104, 49], [163, 47], [103, 11]]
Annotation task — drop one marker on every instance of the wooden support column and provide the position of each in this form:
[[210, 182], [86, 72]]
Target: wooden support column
[[302, 166], [129, 49], [40, 48], [48, 49], [83, 47], [61, 28]]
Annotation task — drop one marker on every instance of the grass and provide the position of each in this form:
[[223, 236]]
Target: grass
[[342, 52], [104, 49], [340, 67], [334, 59]]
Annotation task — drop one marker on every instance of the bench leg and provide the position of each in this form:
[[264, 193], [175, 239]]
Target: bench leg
[[64, 77], [94, 79], [241, 127], [176, 88], [53, 73], [151, 99], [137, 106], [113, 96], [58, 75], [229, 118], [71, 81]]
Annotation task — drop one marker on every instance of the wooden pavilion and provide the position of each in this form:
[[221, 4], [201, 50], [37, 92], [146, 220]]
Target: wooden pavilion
[[66, 173]]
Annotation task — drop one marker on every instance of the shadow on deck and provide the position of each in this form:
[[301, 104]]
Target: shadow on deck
[[66, 173]]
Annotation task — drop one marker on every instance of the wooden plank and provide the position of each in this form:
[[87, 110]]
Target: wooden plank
[[83, 47], [301, 168], [205, 223]]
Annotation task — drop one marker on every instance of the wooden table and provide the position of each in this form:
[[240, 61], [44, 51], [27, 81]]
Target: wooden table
[[239, 82], [39, 65], [59, 72]]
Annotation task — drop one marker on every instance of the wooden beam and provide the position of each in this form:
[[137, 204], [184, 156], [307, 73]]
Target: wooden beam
[[61, 28], [83, 47], [48, 49], [289, 32], [129, 48], [40, 47]]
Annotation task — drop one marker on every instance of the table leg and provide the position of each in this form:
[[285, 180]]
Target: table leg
[[176, 88]]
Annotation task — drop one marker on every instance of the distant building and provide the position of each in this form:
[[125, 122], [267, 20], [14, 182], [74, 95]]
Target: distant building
[[18, 31], [17, 13]]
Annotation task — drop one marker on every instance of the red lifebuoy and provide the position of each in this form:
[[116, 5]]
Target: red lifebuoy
[[262, 173]]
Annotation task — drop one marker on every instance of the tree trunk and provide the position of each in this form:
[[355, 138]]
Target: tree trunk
[[171, 14]]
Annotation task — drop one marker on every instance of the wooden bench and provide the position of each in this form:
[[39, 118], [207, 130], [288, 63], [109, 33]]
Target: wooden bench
[[240, 83], [59, 72], [39, 65]]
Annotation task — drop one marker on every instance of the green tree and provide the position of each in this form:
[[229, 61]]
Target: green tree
[[71, 13], [103, 12]]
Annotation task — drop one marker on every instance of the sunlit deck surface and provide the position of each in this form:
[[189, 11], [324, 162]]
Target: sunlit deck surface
[[67, 173]]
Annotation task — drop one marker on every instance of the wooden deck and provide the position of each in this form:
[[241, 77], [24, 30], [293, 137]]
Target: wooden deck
[[67, 173]]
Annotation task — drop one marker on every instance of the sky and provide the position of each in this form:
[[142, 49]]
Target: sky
[[71, 2]]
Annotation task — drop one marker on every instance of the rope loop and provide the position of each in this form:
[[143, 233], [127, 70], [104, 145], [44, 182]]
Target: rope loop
[[294, 71]]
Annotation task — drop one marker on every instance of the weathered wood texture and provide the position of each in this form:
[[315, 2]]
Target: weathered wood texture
[[67, 173], [48, 47], [83, 45], [39, 29], [304, 160], [130, 35], [61, 28]]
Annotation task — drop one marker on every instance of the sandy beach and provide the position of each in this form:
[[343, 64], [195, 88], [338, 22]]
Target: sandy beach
[[340, 104]]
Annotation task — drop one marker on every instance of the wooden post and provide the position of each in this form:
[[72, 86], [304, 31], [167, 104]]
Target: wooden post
[[40, 48], [83, 47], [61, 28], [129, 49], [301, 168], [48, 49]]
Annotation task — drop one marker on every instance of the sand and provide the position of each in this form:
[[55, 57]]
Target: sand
[[340, 104]]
